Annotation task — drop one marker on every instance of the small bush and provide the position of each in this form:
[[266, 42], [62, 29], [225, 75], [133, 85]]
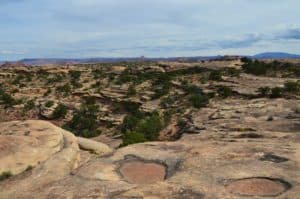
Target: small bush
[[276, 92], [84, 121], [168, 101], [90, 100], [131, 91], [6, 98], [65, 89], [199, 100], [5, 175], [49, 104], [232, 72], [215, 76], [225, 91], [132, 137], [29, 105], [192, 89], [59, 112], [292, 87], [264, 91], [181, 123], [160, 91], [150, 126], [246, 60], [129, 123], [141, 128], [75, 75]]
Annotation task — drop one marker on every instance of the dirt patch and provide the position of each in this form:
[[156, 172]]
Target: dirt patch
[[139, 172], [258, 187]]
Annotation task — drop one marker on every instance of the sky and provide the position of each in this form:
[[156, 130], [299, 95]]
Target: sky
[[151, 28]]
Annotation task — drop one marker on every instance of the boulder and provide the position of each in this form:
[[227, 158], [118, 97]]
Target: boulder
[[94, 146]]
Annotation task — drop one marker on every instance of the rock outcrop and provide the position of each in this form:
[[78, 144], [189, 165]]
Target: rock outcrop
[[230, 163], [94, 146]]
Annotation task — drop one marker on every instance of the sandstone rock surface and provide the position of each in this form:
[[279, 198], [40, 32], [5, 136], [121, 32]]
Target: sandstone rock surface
[[94, 146], [205, 165]]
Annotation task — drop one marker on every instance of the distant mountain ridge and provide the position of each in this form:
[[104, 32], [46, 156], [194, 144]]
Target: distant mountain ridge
[[276, 55], [45, 61], [109, 60]]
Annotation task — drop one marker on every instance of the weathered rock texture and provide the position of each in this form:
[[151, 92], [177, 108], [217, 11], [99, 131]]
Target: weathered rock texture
[[239, 154]]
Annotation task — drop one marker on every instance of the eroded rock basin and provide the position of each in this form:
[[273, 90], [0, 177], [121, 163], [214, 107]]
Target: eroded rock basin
[[139, 172], [258, 187]]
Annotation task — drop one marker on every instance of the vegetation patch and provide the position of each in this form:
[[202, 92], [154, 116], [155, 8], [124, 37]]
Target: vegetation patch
[[84, 122], [5, 175], [274, 68], [142, 127], [59, 112]]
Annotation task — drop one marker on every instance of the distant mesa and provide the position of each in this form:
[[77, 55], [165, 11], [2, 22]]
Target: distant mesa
[[69, 61], [13, 64]]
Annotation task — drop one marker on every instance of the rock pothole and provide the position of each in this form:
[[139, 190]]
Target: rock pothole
[[273, 158], [258, 186], [142, 172]]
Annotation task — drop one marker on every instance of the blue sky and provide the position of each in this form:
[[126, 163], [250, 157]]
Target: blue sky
[[156, 28]]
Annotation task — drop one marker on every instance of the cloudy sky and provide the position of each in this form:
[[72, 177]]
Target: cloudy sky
[[153, 28]]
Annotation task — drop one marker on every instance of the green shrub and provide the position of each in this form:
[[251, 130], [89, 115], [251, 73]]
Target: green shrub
[[292, 87], [76, 84], [129, 123], [49, 104], [29, 105], [75, 75], [126, 106], [143, 127], [86, 133], [181, 123], [256, 67], [150, 126], [232, 72], [161, 91], [59, 112], [131, 91], [161, 85], [192, 89], [199, 100], [5, 175], [90, 100], [276, 92], [215, 76], [96, 85], [262, 68], [246, 60], [168, 101], [264, 91], [55, 79], [225, 91], [132, 137], [6, 98], [125, 77], [84, 121], [65, 89], [98, 74], [18, 79]]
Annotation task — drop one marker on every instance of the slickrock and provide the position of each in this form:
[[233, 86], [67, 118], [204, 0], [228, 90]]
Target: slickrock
[[26, 144], [94, 146]]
